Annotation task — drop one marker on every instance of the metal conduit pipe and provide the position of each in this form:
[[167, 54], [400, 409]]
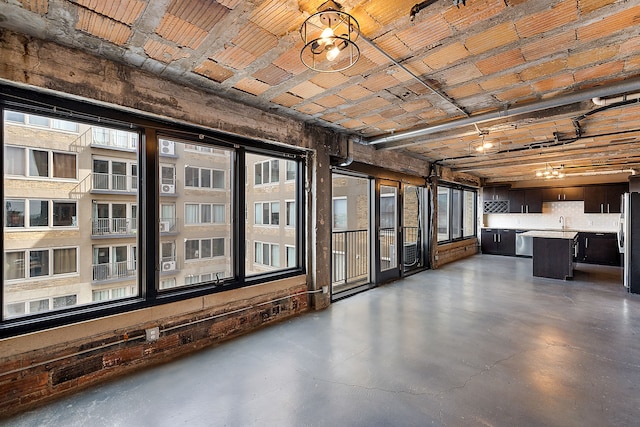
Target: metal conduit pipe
[[626, 86], [406, 70], [603, 102]]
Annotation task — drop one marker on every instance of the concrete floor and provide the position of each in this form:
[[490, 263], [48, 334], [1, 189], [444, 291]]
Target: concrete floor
[[476, 343]]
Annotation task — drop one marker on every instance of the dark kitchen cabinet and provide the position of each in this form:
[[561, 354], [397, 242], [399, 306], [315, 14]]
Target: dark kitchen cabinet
[[498, 241], [603, 198], [598, 248], [562, 194], [527, 200], [499, 192], [553, 257]]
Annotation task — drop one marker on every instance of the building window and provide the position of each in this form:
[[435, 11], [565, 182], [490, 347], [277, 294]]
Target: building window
[[290, 220], [113, 138], [114, 263], [267, 172], [39, 163], [291, 256], [340, 213], [41, 121], [203, 248], [204, 178], [112, 175], [267, 213], [32, 213], [291, 170], [204, 213], [41, 262], [267, 254], [456, 213]]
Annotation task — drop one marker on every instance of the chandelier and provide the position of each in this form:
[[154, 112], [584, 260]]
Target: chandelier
[[329, 37], [550, 172]]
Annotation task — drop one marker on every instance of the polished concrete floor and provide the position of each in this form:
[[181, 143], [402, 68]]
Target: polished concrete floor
[[476, 343]]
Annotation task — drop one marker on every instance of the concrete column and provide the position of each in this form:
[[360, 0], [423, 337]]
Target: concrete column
[[320, 227]]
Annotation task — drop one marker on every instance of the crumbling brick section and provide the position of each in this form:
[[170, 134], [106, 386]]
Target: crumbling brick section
[[48, 373]]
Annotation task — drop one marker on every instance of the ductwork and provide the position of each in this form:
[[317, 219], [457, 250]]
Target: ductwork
[[397, 140], [344, 161]]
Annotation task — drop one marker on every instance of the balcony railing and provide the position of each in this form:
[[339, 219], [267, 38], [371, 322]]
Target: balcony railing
[[115, 270], [111, 138], [115, 182], [111, 226], [350, 257]]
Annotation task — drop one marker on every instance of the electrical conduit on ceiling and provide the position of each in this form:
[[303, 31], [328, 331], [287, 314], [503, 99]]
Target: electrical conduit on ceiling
[[397, 140]]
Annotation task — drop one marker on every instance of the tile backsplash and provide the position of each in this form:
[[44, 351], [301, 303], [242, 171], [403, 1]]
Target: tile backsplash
[[572, 212]]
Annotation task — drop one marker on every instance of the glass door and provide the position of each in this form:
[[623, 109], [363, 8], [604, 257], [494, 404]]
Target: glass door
[[388, 231], [412, 227], [350, 242]]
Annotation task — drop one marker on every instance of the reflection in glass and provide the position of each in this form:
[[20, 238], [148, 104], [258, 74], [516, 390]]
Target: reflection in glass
[[53, 258]]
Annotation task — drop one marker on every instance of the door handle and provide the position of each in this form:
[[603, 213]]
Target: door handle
[[586, 242], [601, 207]]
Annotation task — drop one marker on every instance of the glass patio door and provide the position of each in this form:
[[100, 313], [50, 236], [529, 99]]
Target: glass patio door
[[387, 236], [350, 242]]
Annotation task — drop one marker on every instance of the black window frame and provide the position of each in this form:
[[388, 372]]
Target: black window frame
[[150, 130], [451, 212]]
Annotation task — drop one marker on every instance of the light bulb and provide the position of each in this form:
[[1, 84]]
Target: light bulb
[[487, 145], [538, 173], [327, 35], [333, 53]]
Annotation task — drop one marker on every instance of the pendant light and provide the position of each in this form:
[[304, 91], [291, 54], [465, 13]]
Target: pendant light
[[329, 37]]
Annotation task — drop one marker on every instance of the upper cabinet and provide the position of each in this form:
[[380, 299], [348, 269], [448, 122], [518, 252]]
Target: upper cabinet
[[604, 198], [500, 192], [527, 200], [563, 194]]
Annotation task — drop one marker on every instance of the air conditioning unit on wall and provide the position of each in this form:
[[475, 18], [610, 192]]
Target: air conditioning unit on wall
[[165, 226], [167, 147], [167, 189], [168, 265]]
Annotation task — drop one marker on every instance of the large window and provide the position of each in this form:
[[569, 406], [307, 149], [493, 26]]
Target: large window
[[272, 214], [456, 213], [72, 242], [54, 257], [207, 254]]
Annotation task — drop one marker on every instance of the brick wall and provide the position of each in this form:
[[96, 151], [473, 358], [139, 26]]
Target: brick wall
[[33, 374], [454, 251]]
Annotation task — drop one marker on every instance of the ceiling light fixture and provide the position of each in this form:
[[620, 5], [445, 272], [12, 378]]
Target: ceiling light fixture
[[550, 172], [483, 146], [329, 37]]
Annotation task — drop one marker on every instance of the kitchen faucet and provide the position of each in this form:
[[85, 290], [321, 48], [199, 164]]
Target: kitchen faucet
[[561, 222]]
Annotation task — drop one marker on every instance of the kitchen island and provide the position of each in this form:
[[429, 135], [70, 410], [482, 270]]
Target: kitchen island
[[553, 253]]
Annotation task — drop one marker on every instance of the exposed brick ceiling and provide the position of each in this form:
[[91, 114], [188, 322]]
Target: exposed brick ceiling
[[485, 56]]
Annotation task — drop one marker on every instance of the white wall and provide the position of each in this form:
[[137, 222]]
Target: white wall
[[573, 213]]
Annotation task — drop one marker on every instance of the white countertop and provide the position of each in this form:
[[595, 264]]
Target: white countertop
[[552, 234]]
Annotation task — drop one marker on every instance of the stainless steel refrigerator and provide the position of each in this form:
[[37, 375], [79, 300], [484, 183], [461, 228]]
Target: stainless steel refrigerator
[[629, 240]]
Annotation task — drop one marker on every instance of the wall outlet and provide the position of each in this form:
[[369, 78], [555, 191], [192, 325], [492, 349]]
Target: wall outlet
[[152, 333]]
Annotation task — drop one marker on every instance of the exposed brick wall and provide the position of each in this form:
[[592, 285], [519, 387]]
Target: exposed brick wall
[[454, 251], [42, 374]]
